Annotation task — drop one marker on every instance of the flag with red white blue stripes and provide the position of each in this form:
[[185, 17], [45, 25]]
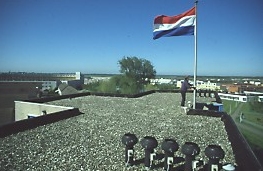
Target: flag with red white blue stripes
[[179, 25]]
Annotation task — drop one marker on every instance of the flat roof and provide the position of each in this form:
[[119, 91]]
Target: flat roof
[[92, 140]]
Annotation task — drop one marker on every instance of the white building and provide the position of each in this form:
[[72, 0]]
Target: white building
[[50, 85], [95, 79], [75, 83], [247, 97], [202, 85], [207, 85], [161, 81]]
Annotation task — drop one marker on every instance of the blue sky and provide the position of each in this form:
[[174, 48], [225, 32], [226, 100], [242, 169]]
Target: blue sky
[[91, 36]]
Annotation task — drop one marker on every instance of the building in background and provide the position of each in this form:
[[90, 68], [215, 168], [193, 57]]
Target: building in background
[[202, 85], [24, 86], [75, 83], [15, 90]]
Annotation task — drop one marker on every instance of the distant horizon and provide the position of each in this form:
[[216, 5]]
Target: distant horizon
[[181, 75]]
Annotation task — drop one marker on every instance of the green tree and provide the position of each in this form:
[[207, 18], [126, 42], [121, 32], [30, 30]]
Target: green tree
[[122, 84], [150, 87], [166, 86], [138, 72], [107, 87], [93, 87]]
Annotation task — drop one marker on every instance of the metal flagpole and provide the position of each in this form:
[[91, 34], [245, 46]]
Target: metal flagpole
[[195, 60]]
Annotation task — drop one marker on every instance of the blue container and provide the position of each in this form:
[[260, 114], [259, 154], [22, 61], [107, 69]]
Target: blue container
[[219, 106]]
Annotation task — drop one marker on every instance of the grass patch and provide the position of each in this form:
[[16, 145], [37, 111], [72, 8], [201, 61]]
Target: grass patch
[[253, 140], [230, 106], [251, 113], [254, 117]]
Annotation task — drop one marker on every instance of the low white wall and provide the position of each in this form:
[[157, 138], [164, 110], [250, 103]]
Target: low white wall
[[23, 109]]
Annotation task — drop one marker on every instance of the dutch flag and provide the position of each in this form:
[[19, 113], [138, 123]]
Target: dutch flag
[[179, 25]]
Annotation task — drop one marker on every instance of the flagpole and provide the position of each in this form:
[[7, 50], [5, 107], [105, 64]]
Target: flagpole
[[195, 60]]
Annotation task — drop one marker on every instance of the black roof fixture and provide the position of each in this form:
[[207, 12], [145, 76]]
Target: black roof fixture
[[190, 150], [169, 146], [129, 140], [149, 143], [214, 153]]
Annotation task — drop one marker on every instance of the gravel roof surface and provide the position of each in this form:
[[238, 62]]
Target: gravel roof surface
[[92, 140]]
